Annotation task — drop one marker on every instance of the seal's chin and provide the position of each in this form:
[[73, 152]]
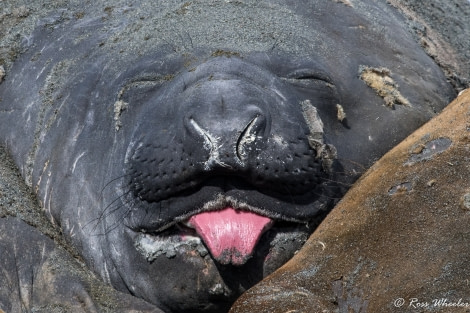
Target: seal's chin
[[214, 252], [229, 234]]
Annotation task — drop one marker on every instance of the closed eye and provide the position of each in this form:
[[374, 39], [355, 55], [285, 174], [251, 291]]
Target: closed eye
[[317, 86], [141, 87], [308, 77], [310, 74]]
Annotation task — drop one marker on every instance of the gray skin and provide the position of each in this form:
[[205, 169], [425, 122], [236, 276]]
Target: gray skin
[[128, 120]]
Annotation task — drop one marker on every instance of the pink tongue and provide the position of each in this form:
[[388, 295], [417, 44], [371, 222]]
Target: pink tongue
[[229, 234]]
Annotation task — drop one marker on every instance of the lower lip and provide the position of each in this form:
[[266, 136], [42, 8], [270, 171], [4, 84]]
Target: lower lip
[[153, 246]]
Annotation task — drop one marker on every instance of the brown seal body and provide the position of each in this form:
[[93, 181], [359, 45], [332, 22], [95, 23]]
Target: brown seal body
[[398, 239]]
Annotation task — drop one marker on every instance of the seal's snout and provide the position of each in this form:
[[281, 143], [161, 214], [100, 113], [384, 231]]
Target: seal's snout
[[232, 129], [229, 140], [229, 118]]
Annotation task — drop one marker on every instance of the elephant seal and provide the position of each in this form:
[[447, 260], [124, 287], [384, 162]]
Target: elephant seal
[[187, 150], [398, 240]]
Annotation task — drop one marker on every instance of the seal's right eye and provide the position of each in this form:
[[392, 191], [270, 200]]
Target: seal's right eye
[[142, 87]]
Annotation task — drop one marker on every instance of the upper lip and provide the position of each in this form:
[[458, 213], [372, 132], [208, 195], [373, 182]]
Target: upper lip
[[155, 217], [217, 204]]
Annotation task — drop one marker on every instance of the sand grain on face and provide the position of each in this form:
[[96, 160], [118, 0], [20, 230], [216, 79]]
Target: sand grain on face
[[465, 201]]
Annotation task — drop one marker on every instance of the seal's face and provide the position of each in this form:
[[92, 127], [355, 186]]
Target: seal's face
[[224, 172], [233, 133]]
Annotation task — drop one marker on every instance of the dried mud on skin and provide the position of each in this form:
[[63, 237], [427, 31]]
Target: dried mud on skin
[[400, 235], [380, 80]]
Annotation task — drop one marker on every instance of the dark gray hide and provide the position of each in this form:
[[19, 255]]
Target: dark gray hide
[[126, 120], [37, 276]]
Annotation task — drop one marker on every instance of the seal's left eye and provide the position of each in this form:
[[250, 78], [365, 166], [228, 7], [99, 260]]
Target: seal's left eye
[[309, 74], [308, 78]]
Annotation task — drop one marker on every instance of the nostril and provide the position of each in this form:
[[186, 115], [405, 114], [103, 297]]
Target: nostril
[[249, 135], [227, 138]]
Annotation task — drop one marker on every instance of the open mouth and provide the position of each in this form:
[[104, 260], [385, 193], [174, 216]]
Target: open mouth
[[229, 234], [231, 243], [220, 211]]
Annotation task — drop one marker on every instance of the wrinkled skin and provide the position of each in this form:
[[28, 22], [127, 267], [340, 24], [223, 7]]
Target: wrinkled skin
[[136, 120]]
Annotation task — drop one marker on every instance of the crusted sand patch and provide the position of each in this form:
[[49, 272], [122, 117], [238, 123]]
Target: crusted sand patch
[[380, 80]]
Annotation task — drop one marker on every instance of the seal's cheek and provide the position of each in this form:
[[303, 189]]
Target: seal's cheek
[[176, 273]]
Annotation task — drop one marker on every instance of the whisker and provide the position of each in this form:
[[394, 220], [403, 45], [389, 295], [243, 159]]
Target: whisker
[[106, 212], [359, 165], [109, 183], [116, 224], [337, 182]]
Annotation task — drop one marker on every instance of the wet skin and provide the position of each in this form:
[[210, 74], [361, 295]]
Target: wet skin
[[123, 149]]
